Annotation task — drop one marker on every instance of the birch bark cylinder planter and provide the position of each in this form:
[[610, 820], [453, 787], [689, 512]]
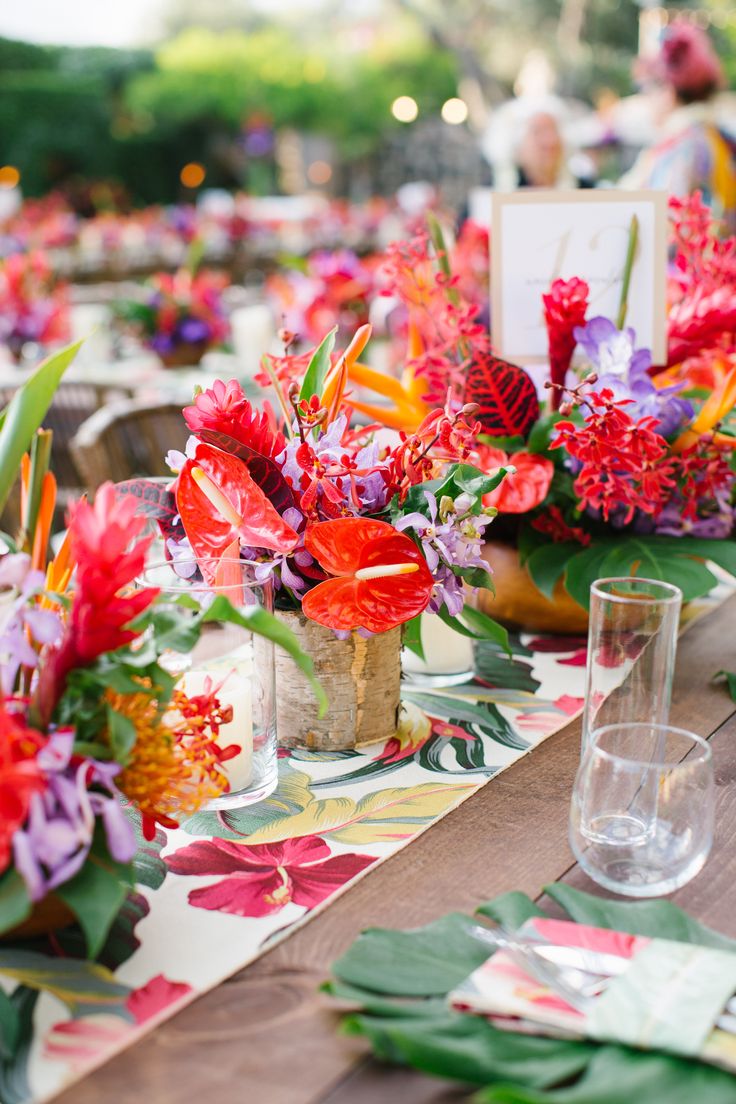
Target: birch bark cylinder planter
[[361, 678]]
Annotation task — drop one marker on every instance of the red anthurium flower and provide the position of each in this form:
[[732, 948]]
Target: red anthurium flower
[[523, 490], [264, 878], [218, 502], [382, 578]]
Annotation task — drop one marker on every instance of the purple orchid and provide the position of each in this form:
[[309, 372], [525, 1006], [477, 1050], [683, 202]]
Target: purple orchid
[[624, 369], [450, 538], [56, 840], [20, 618], [372, 488]]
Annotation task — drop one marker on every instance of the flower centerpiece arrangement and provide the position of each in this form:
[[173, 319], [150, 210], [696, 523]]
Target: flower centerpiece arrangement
[[329, 288], [34, 305], [98, 739], [360, 535], [179, 316], [628, 468]]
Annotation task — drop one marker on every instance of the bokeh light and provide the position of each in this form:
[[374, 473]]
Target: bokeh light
[[193, 174], [454, 111], [319, 172], [9, 176], [405, 109]]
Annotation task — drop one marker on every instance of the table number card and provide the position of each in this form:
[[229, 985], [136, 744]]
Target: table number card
[[538, 236]]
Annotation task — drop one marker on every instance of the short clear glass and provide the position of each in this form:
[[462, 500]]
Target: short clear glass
[[641, 818], [231, 652], [632, 643]]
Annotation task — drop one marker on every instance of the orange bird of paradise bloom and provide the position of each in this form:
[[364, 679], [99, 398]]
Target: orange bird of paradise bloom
[[409, 408], [714, 409], [381, 578]]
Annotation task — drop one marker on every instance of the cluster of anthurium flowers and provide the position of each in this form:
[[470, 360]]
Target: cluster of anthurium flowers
[[357, 533]]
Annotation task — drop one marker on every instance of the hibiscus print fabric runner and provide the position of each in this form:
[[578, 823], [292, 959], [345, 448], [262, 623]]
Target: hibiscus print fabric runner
[[230, 883]]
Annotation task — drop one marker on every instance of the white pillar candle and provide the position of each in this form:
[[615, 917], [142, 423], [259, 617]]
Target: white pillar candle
[[254, 334], [235, 691], [446, 652]]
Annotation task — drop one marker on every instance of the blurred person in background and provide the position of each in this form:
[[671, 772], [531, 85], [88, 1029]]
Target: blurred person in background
[[693, 150], [526, 148]]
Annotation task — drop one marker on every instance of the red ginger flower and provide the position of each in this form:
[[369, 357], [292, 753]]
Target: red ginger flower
[[20, 777], [223, 408], [625, 464], [104, 602], [565, 306], [382, 578]]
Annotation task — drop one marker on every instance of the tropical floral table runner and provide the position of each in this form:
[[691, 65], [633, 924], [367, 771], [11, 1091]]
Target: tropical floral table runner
[[212, 896]]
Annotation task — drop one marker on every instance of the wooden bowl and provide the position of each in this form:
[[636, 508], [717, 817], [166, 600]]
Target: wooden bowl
[[518, 604]]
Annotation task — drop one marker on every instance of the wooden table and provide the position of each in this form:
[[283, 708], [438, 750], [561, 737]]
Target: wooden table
[[267, 1036]]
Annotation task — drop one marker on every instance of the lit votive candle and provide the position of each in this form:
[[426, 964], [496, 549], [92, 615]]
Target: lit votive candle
[[446, 652]]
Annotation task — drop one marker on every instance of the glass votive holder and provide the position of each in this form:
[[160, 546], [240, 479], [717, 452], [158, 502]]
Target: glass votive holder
[[642, 811], [448, 655], [230, 657], [632, 643]]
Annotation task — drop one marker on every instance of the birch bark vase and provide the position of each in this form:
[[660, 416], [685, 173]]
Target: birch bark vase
[[361, 678]]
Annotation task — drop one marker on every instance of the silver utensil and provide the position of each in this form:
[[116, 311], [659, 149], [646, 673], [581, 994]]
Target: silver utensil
[[598, 964]]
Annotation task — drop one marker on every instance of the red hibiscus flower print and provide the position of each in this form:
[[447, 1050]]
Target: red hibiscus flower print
[[262, 879]]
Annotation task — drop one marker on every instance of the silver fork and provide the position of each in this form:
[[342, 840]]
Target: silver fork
[[586, 983]]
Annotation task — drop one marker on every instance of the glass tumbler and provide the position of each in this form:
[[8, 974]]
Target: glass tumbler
[[228, 654], [641, 818], [632, 642]]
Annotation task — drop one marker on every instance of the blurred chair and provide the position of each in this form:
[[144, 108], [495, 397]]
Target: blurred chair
[[127, 439], [72, 405]]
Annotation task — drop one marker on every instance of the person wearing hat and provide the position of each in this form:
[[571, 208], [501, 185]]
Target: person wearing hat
[[693, 151]]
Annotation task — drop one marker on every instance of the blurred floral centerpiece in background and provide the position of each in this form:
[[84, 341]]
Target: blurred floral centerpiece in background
[[34, 305], [179, 316]]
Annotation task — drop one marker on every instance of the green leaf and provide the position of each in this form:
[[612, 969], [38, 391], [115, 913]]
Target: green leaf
[[122, 733], [15, 904], [9, 1026], [82, 986], [96, 894], [730, 677], [384, 1006], [469, 1049], [412, 637], [659, 918], [582, 571], [260, 621], [486, 628], [479, 578], [512, 909], [484, 714], [542, 432], [547, 564], [425, 962], [722, 552], [319, 366], [615, 1075], [25, 413]]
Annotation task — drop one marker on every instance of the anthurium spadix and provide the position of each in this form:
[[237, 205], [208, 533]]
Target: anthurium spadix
[[219, 502]]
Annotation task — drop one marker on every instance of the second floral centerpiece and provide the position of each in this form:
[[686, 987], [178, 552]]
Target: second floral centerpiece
[[359, 537]]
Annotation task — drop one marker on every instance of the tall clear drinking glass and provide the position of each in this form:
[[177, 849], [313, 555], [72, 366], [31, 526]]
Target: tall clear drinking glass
[[641, 818], [632, 642], [227, 654]]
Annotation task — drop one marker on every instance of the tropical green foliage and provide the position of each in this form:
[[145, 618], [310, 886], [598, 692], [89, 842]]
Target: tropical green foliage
[[397, 982]]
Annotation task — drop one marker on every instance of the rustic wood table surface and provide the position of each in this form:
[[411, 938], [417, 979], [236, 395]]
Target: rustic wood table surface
[[268, 1036]]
